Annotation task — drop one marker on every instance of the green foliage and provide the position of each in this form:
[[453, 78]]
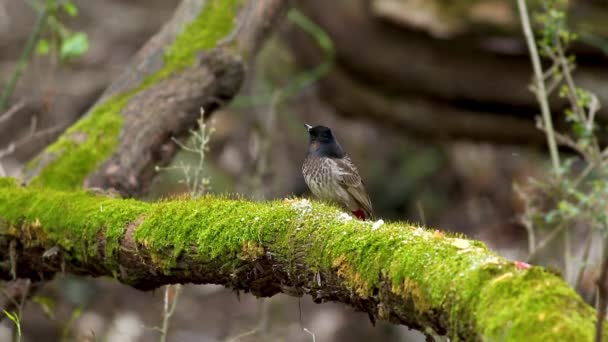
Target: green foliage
[[194, 175], [14, 317], [57, 37], [70, 8], [47, 305], [74, 45], [60, 38], [43, 47], [576, 194], [65, 332]]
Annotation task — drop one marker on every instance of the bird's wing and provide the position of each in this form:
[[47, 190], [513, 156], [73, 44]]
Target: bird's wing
[[350, 179]]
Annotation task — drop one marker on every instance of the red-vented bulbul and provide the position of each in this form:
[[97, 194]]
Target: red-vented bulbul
[[332, 176]]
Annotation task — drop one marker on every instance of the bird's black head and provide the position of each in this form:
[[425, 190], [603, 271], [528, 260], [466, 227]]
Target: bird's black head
[[323, 143]]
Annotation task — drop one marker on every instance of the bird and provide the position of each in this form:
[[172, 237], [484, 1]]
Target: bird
[[332, 176]]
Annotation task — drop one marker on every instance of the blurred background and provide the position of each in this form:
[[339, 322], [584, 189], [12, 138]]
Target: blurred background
[[430, 98]]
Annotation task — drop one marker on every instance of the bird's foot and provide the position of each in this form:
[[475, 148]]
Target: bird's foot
[[359, 213]]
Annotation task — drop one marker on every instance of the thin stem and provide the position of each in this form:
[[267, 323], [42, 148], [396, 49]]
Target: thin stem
[[541, 93], [567, 255], [585, 260], [23, 59], [245, 334], [170, 303], [531, 233], [544, 242], [573, 97]]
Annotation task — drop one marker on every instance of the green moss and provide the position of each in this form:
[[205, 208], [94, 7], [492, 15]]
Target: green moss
[[91, 141], [171, 228], [76, 221], [446, 278], [83, 146], [8, 182], [508, 305], [215, 22]]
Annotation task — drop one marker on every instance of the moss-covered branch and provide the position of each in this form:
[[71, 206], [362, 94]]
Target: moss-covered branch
[[197, 60], [395, 271]]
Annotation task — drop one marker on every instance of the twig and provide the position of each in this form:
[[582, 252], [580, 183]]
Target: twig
[[11, 111], [314, 338], [585, 261], [572, 96], [170, 303], [541, 93], [554, 233], [245, 334], [23, 59], [265, 137]]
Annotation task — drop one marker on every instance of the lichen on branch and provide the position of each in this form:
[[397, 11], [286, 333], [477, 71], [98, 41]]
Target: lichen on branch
[[394, 271]]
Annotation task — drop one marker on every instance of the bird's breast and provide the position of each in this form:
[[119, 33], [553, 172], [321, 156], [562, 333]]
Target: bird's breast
[[320, 175]]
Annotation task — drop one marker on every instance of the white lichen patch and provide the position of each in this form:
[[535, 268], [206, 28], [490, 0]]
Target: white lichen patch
[[460, 243], [344, 217], [302, 206], [492, 260], [377, 224]]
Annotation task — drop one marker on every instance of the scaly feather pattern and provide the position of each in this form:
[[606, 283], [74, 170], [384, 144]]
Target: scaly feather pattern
[[332, 176]]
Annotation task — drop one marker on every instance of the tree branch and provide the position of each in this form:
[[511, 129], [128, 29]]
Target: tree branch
[[394, 272], [197, 60]]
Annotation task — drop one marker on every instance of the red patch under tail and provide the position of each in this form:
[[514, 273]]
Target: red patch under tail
[[359, 213]]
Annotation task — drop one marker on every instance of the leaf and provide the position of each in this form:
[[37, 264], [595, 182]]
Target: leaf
[[77, 312], [43, 47], [74, 45], [12, 316], [47, 304], [70, 8]]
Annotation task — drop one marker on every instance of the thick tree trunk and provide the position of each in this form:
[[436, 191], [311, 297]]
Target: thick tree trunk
[[394, 271]]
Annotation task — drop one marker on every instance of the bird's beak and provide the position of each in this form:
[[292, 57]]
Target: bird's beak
[[308, 127]]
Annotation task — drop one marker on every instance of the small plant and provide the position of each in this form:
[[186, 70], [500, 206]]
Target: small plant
[[198, 184], [194, 175], [49, 36], [574, 196], [14, 317]]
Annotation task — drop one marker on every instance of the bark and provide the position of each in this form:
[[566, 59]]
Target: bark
[[393, 271]]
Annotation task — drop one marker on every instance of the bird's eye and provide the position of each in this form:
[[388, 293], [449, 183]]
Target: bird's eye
[[325, 135]]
